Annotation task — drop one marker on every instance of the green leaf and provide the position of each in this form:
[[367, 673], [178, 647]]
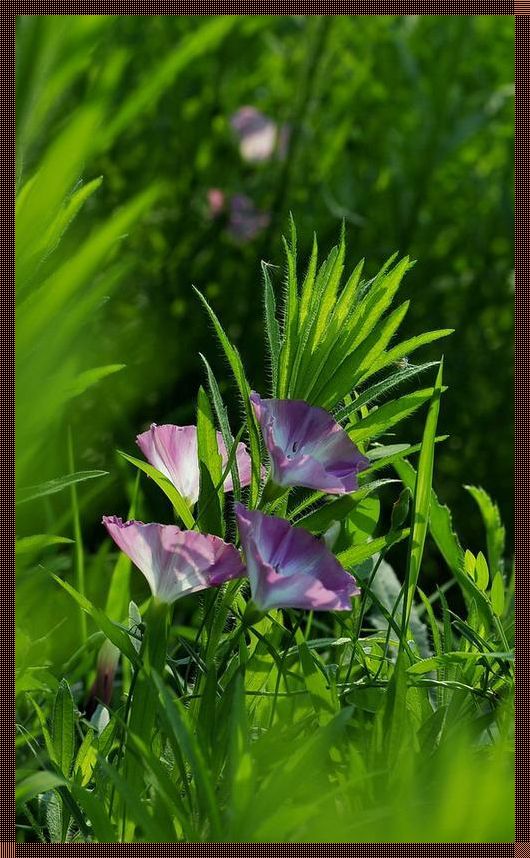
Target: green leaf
[[470, 564], [67, 214], [211, 499], [63, 728], [482, 572], [426, 665], [96, 813], [86, 758], [328, 300], [34, 544], [333, 384], [179, 504], [441, 528], [383, 418], [35, 785], [422, 499], [57, 485], [357, 554], [115, 633], [440, 522], [404, 349], [336, 509], [272, 328], [236, 365], [224, 425], [290, 318], [316, 683], [497, 595], [87, 379], [307, 287], [176, 720], [306, 342], [495, 532], [381, 388]]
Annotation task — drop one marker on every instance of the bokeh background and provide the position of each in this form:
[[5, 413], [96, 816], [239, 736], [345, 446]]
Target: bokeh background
[[400, 125]]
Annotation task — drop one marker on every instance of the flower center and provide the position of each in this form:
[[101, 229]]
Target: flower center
[[294, 450]]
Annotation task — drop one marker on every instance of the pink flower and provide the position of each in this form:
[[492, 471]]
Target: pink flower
[[307, 446], [216, 201], [175, 562], [289, 568], [173, 451]]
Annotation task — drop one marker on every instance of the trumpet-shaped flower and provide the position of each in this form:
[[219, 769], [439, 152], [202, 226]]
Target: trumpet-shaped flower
[[289, 568], [175, 562], [307, 446], [173, 450]]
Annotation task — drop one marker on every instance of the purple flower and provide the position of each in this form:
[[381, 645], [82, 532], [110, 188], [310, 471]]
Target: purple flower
[[289, 568], [307, 446], [245, 221], [175, 562], [173, 451], [258, 135]]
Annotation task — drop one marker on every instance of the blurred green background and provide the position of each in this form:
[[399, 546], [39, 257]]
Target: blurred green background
[[401, 125]]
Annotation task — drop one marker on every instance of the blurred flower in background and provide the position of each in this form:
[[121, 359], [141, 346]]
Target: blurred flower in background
[[244, 220], [259, 137]]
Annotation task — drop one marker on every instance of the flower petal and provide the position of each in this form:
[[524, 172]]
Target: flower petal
[[173, 451], [175, 562], [288, 567], [307, 446]]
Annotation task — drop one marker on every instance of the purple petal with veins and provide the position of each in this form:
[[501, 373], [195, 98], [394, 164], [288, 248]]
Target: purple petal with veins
[[289, 568], [175, 562], [307, 446]]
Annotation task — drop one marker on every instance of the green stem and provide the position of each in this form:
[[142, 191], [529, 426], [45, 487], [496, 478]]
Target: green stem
[[144, 700]]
